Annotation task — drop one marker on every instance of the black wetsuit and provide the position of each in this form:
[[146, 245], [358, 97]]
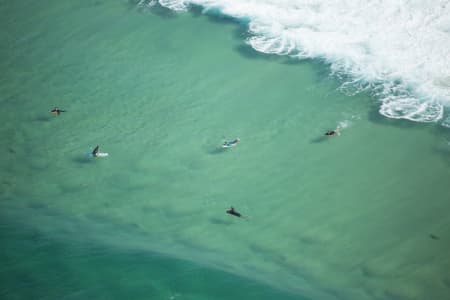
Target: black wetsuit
[[95, 151], [331, 132], [231, 211], [232, 143], [57, 110]]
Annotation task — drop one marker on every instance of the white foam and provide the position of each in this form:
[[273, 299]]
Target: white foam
[[149, 3], [174, 5], [446, 122], [400, 50], [344, 124]]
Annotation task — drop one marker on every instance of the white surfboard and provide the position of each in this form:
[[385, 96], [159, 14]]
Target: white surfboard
[[102, 154], [228, 145], [231, 144]]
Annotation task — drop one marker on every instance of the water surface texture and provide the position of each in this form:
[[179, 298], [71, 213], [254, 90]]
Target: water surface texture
[[361, 216]]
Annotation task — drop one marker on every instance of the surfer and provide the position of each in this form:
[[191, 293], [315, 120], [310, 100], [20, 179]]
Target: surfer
[[234, 142], [233, 212], [333, 132], [95, 151], [56, 111]]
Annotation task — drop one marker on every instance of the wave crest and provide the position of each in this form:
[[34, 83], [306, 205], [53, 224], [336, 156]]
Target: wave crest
[[400, 50]]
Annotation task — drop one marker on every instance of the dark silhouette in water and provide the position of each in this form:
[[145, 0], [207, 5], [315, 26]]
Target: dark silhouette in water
[[218, 221], [233, 212], [332, 132], [319, 139], [217, 150], [228, 144], [95, 151], [56, 111], [434, 237]]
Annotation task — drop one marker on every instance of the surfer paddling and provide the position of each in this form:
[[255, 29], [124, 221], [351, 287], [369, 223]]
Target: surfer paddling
[[56, 111], [233, 212], [333, 132], [232, 143]]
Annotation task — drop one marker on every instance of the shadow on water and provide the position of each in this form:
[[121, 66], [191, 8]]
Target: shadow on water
[[433, 236], [319, 139], [82, 159], [218, 221], [43, 118], [217, 150]]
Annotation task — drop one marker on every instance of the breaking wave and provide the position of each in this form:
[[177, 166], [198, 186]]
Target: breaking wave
[[397, 50]]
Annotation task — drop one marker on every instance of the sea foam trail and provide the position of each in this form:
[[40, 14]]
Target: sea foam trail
[[398, 50]]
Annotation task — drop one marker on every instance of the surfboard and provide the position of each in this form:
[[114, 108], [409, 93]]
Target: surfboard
[[102, 154], [99, 154], [230, 144]]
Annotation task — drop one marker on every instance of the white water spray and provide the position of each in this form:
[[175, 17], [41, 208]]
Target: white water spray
[[399, 50]]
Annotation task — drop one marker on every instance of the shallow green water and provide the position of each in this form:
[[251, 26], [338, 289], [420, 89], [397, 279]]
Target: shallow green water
[[347, 217], [41, 267]]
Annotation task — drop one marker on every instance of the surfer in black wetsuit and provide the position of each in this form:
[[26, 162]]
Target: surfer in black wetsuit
[[233, 212], [232, 143], [56, 111], [95, 151], [332, 132]]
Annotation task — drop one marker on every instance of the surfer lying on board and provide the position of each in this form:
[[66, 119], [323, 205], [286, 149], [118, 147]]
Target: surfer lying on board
[[232, 143], [333, 132], [56, 111], [233, 212]]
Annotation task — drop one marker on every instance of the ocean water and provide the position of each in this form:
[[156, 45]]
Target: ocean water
[[159, 87], [398, 50]]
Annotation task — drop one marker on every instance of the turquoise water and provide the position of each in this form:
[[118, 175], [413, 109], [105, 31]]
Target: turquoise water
[[80, 269], [346, 217]]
